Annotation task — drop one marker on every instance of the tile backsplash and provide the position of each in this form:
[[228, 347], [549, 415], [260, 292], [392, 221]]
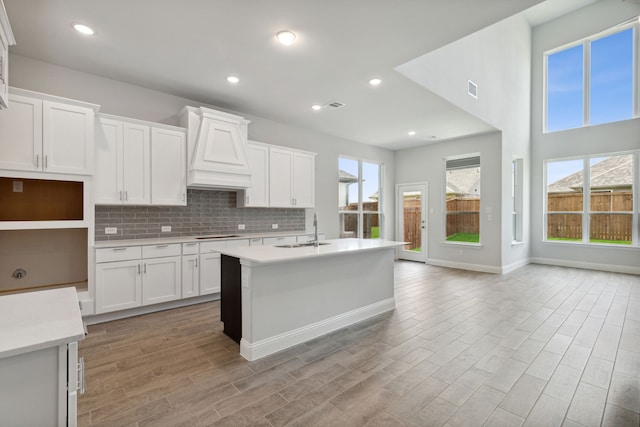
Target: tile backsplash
[[207, 212]]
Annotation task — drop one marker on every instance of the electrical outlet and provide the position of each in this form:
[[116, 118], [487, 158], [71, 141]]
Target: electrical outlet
[[241, 227], [274, 226], [166, 229], [17, 187], [460, 252], [111, 230]]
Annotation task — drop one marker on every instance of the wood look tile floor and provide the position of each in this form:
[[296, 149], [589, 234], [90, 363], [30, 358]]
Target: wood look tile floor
[[541, 346]]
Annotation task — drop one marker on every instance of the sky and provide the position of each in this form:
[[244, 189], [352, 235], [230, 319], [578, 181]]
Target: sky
[[370, 176]]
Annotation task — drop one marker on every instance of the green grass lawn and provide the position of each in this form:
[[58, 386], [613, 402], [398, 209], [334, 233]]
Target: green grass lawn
[[375, 232], [464, 237]]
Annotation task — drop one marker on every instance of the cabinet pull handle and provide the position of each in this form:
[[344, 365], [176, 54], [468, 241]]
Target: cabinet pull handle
[[126, 196], [120, 195], [162, 246], [45, 163], [81, 375], [145, 268], [37, 160], [119, 249], [196, 262], [190, 244]]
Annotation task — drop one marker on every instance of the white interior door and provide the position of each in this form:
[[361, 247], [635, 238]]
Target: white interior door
[[411, 202]]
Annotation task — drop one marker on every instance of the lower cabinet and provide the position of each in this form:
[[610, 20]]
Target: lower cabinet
[[129, 277], [190, 276], [209, 273], [40, 388]]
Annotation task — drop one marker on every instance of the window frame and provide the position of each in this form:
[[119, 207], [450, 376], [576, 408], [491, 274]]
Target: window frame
[[586, 69], [517, 199], [586, 211], [360, 212], [444, 199]]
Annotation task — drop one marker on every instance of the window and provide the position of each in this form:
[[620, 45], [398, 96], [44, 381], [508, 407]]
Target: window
[[590, 200], [517, 200], [359, 200], [592, 82], [462, 217]]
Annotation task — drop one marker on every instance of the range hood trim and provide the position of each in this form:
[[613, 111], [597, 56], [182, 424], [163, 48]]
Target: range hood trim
[[217, 149]]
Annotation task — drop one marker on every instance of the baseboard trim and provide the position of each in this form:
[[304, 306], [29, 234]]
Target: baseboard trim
[[515, 265], [265, 347], [465, 266], [587, 265], [117, 315]]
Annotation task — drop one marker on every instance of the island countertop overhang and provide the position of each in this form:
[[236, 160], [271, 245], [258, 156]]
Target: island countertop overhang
[[268, 254]]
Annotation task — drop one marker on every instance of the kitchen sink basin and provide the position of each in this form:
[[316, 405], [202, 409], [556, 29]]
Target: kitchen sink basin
[[300, 245], [227, 236]]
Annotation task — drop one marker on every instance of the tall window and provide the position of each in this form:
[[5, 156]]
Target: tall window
[[517, 201], [359, 198], [463, 199], [590, 200], [592, 81]]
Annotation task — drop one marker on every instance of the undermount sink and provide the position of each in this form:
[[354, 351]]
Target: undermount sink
[[227, 236], [300, 245]]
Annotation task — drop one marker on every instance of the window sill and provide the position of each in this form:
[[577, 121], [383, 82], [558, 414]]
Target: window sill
[[465, 244], [516, 243], [590, 245]]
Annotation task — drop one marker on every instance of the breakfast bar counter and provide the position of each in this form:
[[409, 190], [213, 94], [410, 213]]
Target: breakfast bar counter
[[275, 297]]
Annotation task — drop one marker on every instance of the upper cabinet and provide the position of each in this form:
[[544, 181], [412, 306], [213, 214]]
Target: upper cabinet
[[6, 40], [216, 149], [42, 133], [281, 178], [139, 163]]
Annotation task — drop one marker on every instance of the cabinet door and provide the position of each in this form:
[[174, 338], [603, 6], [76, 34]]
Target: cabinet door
[[190, 276], [118, 286], [168, 167], [258, 194], [21, 134], [67, 138], [108, 168], [4, 70], [136, 164], [303, 180], [161, 279], [209, 273], [280, 163]]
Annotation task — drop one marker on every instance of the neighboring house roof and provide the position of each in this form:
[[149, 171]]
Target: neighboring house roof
[[611, 173], [463, 181], [346, 177]]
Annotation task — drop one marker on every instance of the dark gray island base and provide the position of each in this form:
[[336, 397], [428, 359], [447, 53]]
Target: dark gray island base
[[231, 297]]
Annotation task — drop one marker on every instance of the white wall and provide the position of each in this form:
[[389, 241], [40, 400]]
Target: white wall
[[498, 60], [427, 164], [134, 101], [607, 138]]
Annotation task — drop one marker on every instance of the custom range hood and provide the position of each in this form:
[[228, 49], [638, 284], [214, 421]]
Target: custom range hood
[[216, 149]]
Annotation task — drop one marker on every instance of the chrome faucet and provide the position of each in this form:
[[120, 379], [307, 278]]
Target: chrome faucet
[[316, 243]]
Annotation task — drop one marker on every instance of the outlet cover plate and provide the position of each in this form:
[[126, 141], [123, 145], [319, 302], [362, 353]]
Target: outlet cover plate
[[274, 226], [241, 227], [111, 230], [166, 229]]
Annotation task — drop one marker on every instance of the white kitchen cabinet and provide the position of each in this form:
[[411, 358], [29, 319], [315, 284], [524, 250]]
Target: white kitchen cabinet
[[210, 273], [118, 285], [190, 276], [6, 40], [258, 194], [123, 163], [168, 167], [42, 133], [161, 279], [139, 163], [291, 178]]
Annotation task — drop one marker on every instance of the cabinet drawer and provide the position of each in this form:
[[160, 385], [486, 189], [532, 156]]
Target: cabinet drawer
[[255, 241], [123, 253], [161, 250], [190, 248], [207, 247], [278, 240]]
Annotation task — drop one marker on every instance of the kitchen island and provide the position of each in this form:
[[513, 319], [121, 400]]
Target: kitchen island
[[277, 296]]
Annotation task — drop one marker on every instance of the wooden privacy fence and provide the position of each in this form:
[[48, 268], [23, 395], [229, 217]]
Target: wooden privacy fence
[[463, 216], [602, 226]]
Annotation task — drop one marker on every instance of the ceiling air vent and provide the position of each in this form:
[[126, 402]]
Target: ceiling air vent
[[335, 104], [472, 89]]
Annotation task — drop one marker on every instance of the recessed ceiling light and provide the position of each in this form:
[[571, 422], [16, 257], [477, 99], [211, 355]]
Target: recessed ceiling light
[[233, 79], [412, 132], [316, 107], [83, 29], [286, 37], [375, 81]]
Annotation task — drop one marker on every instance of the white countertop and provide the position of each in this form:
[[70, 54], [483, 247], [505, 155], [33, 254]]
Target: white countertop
[[191, 239], [271, 253], [37, 320]]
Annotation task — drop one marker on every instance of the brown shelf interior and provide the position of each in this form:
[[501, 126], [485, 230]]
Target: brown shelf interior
[[40, 200]]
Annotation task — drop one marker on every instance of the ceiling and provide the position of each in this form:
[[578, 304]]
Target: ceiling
[[188, 48]]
